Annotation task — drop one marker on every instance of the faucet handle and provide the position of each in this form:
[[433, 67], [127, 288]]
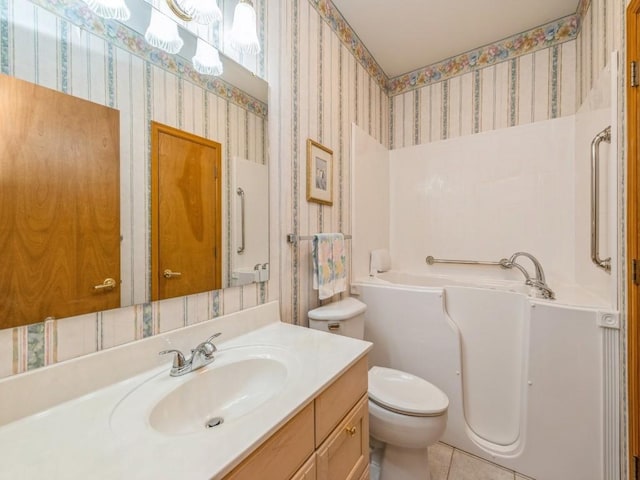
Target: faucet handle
[[178, 361], [207, 348], [215, 335]]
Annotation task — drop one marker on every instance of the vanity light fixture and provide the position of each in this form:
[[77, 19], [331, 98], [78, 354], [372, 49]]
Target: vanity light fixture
[[200, 11], [116, 9], [162, 33], [207, 59], [243, 35]]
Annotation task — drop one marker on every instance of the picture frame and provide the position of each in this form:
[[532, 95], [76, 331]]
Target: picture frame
[[319, 173]]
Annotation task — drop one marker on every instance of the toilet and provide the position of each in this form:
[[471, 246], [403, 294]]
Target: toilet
[[406, 412]]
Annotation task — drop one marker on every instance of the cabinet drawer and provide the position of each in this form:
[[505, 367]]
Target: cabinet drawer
[[345, 454], [334, 403], [279, 457], [308, 470]]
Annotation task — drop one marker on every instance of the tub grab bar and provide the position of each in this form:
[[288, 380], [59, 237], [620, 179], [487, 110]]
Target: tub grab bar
[[430, 261], [603, 136]]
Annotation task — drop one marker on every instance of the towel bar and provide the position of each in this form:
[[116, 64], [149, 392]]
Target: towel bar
[[292, 238]]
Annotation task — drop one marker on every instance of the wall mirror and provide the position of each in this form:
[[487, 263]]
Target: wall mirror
[[63, 46]]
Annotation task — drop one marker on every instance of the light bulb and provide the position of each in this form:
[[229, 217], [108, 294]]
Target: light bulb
[[243, 34], [207, 59], [115, 9], [162, 33]]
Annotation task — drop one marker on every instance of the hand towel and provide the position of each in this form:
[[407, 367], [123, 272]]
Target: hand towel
[[328, 258]]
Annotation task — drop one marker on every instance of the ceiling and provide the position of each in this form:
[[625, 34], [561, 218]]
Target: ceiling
[[409, 34]]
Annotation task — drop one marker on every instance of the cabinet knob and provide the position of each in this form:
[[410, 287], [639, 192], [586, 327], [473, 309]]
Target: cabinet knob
[[351, 430]]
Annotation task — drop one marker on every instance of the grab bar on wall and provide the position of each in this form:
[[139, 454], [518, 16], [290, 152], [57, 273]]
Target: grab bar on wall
[[430, 261], [603, 136], [240, 192]]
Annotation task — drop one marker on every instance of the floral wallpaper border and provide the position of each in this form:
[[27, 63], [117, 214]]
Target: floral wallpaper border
[[350, 39], [80, 15], [583, 8], [544, 36]]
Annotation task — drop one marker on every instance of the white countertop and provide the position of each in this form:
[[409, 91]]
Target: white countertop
[[75, 439]]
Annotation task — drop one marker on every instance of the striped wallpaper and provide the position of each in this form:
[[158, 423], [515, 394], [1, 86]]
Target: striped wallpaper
[[320, 89], [549, 83], [530, 88], [322, 80], [67, 48]]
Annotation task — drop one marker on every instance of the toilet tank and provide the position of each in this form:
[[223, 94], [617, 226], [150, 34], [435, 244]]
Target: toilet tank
[[344, 317]]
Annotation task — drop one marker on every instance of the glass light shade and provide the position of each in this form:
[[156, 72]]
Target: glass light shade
[[244, 36], [109, 8], [207, 59], [201, 11], [162, 33]]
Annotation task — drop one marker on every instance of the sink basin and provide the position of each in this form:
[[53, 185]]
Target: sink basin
[[218, 395], [237, 383]]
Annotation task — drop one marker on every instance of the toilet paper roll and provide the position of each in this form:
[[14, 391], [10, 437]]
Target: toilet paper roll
[[380, 261]]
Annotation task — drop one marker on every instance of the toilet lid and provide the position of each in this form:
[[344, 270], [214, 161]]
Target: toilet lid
[[404, 393]]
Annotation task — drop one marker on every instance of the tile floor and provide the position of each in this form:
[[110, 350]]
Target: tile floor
[[448, 463]]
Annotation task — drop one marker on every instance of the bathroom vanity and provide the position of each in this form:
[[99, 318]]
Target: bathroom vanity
[[292, 403], [329, 437]]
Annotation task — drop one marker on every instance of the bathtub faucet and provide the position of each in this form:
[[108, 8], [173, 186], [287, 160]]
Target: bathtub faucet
[[538, 282]]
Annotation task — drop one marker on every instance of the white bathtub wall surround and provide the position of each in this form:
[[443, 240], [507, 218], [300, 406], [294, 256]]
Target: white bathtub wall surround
[[594, 115], [249, 219], [370, 199], [106, 428], [486, 196], [564, 405]]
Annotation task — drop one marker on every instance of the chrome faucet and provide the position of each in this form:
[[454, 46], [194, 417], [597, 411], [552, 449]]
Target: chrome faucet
[[200, 356], [538, 282]]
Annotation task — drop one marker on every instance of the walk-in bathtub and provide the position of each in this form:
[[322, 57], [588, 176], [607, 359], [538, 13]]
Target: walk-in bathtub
[[532, 383]]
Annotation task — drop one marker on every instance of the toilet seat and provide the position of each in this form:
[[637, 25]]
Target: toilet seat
[[406, 394]]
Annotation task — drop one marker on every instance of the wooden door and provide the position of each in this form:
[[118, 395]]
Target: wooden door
[[59, 204], [186, 213], [633, 330]]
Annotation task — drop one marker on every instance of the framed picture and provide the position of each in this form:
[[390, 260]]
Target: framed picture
[[319, 173]]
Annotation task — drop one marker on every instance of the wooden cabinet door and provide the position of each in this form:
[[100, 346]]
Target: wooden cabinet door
[[307, 471], [345, 454], [366, 475], [186, 213], [338, 399], [59, 204], [280, 457]]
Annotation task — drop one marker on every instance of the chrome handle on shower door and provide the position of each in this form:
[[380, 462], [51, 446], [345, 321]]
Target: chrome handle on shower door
[[240, 192], [603, 136]]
